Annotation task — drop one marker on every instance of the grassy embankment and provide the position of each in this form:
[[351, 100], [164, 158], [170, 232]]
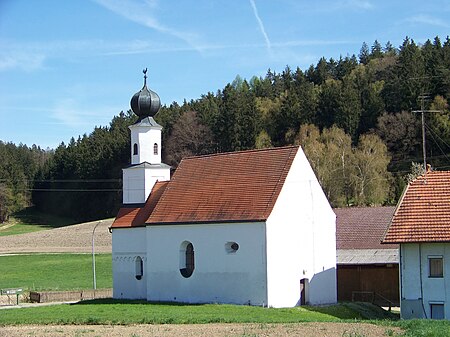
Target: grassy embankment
[[138, 312], [31, 220], [108, 311], [54, 271]]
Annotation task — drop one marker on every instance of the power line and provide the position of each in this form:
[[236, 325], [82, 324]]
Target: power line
[[68, 180], [69, 190], [410, 159], [422, 111], [435, 133], [432, 136], [426, 77]]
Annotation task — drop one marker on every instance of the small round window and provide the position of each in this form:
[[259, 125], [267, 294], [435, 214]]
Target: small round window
[[231, 247]]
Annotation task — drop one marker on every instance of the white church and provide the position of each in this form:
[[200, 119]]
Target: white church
[[250, 227]]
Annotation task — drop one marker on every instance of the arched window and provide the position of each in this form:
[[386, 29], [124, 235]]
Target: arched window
[[139, 268], [187, 264], [135, 149], [155, 149]]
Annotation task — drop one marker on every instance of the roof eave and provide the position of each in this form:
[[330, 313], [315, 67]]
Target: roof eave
[[383, 241], [402, 242], [199, 222]]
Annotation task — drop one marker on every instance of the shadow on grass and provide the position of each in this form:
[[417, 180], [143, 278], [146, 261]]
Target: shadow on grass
[[358, 310], [121, 301], [32, 216]]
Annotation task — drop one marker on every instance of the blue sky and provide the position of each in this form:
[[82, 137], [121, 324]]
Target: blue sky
[[68, 66]]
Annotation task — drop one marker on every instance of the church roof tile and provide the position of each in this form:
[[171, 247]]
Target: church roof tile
[[235, 186], [229, 187], [135, 215]]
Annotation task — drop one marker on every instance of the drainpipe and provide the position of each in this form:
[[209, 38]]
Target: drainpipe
[[400, 265], [421, 282]]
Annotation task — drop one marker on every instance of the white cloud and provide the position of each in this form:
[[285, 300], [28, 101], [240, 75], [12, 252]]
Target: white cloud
[[68, 112], [356, 4], [428, 20], [306, 43], [143, 14], [34, 55], [22, 61], [334, 5]]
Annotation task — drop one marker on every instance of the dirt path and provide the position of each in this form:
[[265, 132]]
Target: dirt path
[[210, 330], [69, 239]]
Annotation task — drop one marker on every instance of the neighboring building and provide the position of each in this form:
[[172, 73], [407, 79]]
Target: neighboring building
[[366, 269], [421, 225], [249, 227]]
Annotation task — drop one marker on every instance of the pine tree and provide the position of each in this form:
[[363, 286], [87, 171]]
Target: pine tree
[[364, 54]]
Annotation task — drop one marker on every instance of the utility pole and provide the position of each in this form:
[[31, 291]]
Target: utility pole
[[422, 110]]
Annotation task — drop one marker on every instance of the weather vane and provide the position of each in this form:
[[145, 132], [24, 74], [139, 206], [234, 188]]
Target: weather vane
[[145, 76]]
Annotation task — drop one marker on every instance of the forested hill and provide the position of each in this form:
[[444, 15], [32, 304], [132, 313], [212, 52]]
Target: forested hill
[[354, 117]]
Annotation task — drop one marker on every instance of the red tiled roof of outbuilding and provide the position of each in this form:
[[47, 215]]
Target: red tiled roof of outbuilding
[[135, 216], [235, 186], [362, 227], [423, 214]]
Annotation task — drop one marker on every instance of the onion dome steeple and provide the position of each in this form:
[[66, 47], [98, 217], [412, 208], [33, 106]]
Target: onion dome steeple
[[145, 103]]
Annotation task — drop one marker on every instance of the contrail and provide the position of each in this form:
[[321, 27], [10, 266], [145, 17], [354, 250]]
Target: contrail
[[261, 25]]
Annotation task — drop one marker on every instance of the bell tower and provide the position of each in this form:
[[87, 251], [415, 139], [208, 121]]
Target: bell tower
[[146, 167]]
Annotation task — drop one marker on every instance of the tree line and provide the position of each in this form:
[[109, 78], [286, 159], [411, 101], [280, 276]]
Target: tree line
[[353, 117], [19, 165]]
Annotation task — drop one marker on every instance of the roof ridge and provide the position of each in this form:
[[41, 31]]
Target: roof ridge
[[428, 173], [361, 207], [267, 149]]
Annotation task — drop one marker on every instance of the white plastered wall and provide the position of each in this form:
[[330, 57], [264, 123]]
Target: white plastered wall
[[301, 241], [219, 276], [416, 283], [138, 182], [145, 137], [129, 244]]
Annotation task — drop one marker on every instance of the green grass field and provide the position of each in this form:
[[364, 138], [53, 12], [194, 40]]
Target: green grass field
[[31, 220], [138, 312], [54, 271], [110, 311]]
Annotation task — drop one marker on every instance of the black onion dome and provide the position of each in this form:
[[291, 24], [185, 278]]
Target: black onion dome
[[145, 102]]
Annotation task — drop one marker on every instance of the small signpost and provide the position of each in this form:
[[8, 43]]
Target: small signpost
[[12, 291]]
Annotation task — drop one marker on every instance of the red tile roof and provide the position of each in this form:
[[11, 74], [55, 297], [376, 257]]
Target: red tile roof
[[423, 214], [136, 215], [236, 186], [362, 227]]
